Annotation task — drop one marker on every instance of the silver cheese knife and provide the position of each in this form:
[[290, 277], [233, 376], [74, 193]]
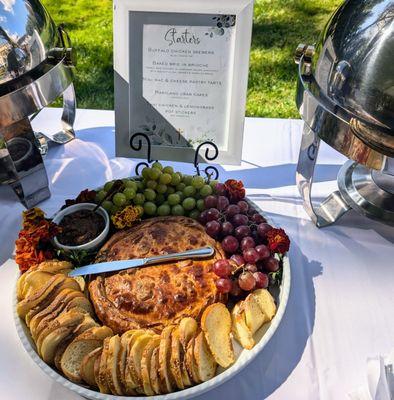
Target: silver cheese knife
[[112, 266]]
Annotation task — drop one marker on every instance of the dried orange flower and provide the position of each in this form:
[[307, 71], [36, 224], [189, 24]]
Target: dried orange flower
[[33, 245], [126, 217]]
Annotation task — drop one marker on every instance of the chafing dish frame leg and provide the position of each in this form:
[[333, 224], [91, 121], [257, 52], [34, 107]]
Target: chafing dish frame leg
[[334, 206], [68, 117], [26, 172]]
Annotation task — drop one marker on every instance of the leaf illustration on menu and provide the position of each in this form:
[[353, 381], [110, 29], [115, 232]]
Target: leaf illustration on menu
[[160, 136]]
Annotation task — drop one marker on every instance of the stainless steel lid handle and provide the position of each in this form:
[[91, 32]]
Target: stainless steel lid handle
[[334, 206]]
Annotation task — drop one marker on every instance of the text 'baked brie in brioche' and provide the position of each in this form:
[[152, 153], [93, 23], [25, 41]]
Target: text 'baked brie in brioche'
[[154, 297]]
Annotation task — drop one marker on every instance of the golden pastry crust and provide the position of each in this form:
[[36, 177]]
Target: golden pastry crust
[[154, 297]]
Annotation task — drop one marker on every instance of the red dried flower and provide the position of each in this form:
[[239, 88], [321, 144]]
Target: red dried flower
[[278, 241], [235, 189], [86, 196], [33, 243]]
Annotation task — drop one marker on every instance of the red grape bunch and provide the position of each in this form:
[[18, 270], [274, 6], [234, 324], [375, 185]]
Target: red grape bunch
[[242, 232]]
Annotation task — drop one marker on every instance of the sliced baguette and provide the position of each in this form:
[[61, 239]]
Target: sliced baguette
[[101, 375], [254, 317], [72, 357], [41, 299], [82, 331], [96, 368], [51, 267], [190, 362], [52, 341], [205, 362], [239, 328], [71, 318], [154, 371], [96, 333], [87, 366], [73, 300], [124, 343], [87, 323], [167, 382], [61, 349], [59, 301], [187, 329], [55, 266], [145, 365], [266, 303], [175, 359], [135, 356], [34, 281], [216, 324], [40, 296], [112, 366], [130, 380]]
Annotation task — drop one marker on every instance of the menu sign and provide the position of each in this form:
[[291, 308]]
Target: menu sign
[[184, 82], [187, 78]]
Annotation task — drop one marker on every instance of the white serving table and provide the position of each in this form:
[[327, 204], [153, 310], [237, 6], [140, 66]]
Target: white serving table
[[340, 310]]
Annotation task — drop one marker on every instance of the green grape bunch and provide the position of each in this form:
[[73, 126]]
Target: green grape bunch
[[160, 191]]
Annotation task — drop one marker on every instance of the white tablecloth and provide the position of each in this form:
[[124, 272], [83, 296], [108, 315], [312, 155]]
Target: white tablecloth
[[341, 304]]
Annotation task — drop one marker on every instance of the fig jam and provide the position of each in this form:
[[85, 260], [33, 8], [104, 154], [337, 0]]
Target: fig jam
[[80, 227]]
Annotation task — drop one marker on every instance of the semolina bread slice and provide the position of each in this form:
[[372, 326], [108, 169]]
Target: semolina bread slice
[[187, 329], [96, 368], [44, 295], [124, 343], [59, 301], [254, 317], [73, 300], [216, 324], [51, 342], [135, 356], [205, 362], [39, 300], [69, 285], [72, 357], [50, 267], [19, 285], [130, 380], [86, 330], [112, 366], [266, 303], [96, 333], [175, 359], [55, 266], [87, 366], [87, 323], [61, 349], [71, 318], [167, 381], [81, 282], [239, 328], [81, 302], [154, 371], [101, 376], [145, 365], [34, 281], [190, 362]]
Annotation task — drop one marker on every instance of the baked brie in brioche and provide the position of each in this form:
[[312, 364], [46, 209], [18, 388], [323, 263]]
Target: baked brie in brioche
[[157, 296]]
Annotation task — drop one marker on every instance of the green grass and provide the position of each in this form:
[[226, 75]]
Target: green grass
[[279, 25]]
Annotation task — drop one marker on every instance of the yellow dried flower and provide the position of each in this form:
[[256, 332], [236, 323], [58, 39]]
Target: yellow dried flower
[[32, 217], [126, 217]]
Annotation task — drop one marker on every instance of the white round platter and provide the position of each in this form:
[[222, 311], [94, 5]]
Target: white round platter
[[243, 357]]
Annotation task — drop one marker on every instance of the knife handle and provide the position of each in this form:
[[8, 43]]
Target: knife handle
[[197, 253]]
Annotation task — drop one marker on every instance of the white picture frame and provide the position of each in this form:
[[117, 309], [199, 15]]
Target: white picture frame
[[135, 22]]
